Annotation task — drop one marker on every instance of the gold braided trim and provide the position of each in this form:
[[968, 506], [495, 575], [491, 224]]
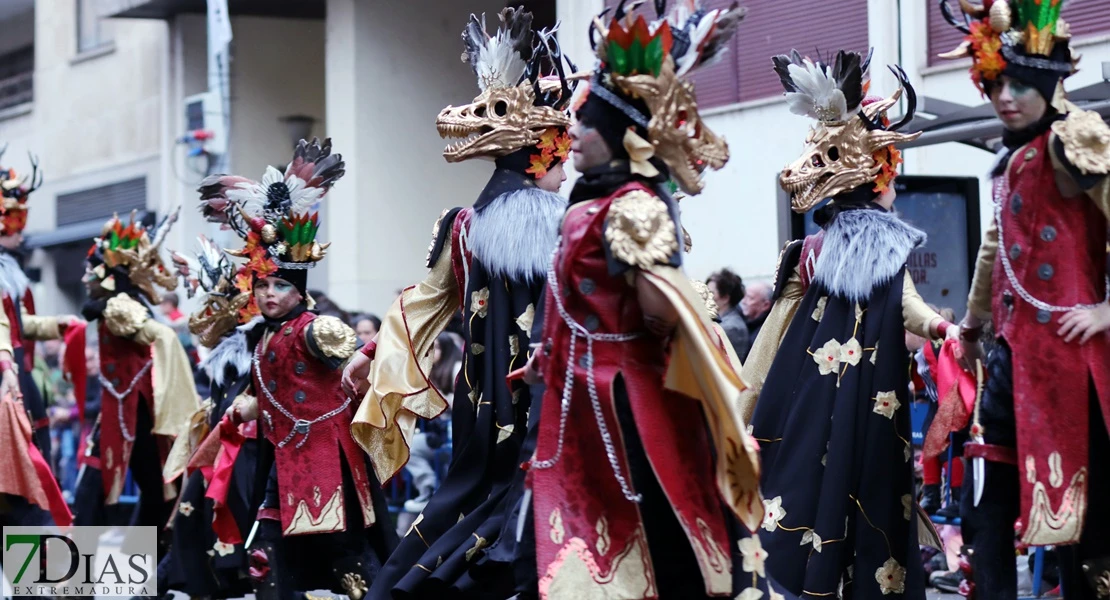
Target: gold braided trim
[[333, 337], [1086, 139], [640, 231], [124, 315]]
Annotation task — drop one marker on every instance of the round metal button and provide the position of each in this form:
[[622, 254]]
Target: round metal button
[[1045, 271], [300, 396], [271, 356], [1043, 316], [1015, 251], [592, 323], [300, 368], [547, 347], [115, 381], [1015, 203], [1030, 154], [110, 367], [584, 361], [1008, 298], [587, 286], [288, 331], [1048, 234], [271, 385]]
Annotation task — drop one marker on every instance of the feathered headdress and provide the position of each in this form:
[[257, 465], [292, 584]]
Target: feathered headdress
[[521, 110], [225, 306], [644, 64], [16, 191], [852, 142], [127, 257], [1025, 39], [277, 217]]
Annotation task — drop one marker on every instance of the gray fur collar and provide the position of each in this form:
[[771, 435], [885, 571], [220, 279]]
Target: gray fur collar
[[514, 234], [12, 278], [232, 350], [862, 249]]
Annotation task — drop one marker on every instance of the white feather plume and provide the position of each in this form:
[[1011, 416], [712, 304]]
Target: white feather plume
[[818, 96], [499, 64]]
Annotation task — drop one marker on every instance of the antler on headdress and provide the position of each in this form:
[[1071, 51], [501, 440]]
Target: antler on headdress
[[210, 270]]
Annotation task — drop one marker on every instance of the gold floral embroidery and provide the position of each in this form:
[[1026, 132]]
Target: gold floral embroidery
[[1030, 469], [504, 433], [479, 302], [479, 543], [810, 537], [477, 349], [750, 594], [223, 548], [777, 596], [602, 530], [1046, 525], [514, 344], [819, 311], [886, 403], [524, 321], [640, 231], [907, 504], [754, 555], [891, 577], [859, 313], [316, 495], [827, 357], [773, 512], [1055, 470], [355, 586], [185, 508], [556, 522], [875, 353], [473, 396], [851, 352], [908, 453]]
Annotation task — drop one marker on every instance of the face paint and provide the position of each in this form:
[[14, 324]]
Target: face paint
[[1017, 104], [275, 297]]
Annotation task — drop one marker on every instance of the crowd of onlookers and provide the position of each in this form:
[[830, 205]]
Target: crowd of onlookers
[[741, 308]]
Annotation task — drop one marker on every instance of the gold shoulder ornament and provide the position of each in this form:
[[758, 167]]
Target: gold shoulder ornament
[[1086, 139], [706, 297], [640, 231], [333, 337], [124, 316]]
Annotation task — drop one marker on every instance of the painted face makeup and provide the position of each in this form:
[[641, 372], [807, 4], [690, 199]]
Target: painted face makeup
[[275, 297], [1017, 105]]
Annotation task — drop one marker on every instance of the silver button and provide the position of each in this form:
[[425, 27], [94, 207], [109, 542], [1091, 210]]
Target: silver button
[[1015, 204], [110, 367], [1015, 252], [1048, 234], [115, 381], [1045, 271], [584, 361], [288, 331], [300, 367], [300, 396], [1043, 316], [272, 385], [592, 323], [587, 286], [271, 356], [547, 346]]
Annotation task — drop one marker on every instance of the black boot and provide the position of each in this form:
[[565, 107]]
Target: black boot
[[930, 498], [952, 509]]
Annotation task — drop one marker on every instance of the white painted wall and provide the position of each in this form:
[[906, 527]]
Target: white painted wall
[[392, 65]]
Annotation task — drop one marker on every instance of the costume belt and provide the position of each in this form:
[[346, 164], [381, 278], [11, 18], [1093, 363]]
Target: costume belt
[[111, 389], [991, 452], [300, 426], [577, 330]]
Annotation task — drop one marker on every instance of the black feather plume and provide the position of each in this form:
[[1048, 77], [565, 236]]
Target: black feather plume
[[782, 67]]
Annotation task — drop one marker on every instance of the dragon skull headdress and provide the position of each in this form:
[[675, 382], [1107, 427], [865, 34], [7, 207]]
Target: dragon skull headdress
[[14, 193], [129, 255], [212, 272], [651, 62], [851, 143], [518, 106]]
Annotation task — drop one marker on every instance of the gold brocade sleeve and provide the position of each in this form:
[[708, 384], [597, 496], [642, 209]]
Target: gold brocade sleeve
[[175, 396], [699, 370], [916, 314], [400, 391], [979, 298], [37, 327], [767, 343], [184, 445]]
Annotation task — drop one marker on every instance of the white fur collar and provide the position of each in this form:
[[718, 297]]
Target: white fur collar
[[12, 278], [232, 350], [863, 249], [513, 236]]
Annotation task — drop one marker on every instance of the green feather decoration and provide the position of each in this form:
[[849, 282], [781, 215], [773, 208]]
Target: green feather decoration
[[1037, 19]]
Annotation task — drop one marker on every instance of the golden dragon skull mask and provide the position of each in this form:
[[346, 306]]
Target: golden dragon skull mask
[[499, 121]]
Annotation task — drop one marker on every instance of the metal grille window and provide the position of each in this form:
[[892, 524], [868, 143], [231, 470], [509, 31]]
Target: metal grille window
[[100, 203], [17, 77], [1087, 18], [92, 31]]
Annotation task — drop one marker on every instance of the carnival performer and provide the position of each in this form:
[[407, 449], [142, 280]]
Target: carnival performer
[[322, 523], [30, 487], [642, 460], [1039, 436], [488, 259], [147, 381], [206, 558], [831, 418]]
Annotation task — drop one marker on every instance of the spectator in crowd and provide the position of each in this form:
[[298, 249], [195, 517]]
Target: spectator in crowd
[[366, 327], [170, 310], [755, 306], [325, 306], [446, 363], [728, 290]]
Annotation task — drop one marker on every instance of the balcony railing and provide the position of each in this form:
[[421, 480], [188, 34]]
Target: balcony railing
[[16, 90]]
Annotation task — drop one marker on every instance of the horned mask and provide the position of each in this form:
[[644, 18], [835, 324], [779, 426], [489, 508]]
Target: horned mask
[[211, 271]]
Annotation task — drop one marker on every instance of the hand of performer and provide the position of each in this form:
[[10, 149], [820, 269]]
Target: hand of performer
[[243, 410], [66, 321], [9, 381], [532, 373], [971, 349], [1084, 323], [354, 376]]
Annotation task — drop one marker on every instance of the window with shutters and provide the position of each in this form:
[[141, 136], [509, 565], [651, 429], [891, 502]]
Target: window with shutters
[[102, 202], [17, 77], [93, 31], [1086, 17]]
